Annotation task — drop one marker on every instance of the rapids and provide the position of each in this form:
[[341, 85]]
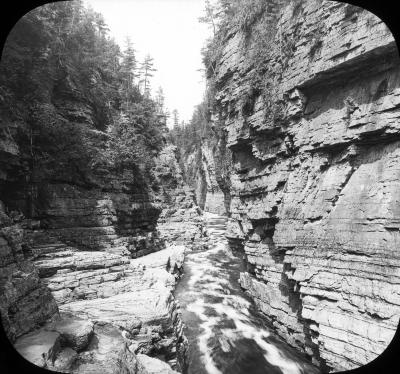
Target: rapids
[[226, 333]]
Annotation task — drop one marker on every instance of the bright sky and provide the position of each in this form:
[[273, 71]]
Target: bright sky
[[170, 32]]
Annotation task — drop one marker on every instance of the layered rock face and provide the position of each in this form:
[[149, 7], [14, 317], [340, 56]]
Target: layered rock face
[[216, 200], [207, 170], [106, 298], [86, 185], [80, 257], [80, 290], [80, 260], [315, 153], [180, 220], [26, 302]]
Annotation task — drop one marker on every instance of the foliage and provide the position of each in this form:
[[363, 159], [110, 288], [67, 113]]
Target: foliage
[[247, 12], [66, 78], [160, 101], [128, 74], [146, 72], [189, 137], [267, 47]]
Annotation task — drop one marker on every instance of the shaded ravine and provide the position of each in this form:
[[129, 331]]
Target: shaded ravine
[[225, 332]]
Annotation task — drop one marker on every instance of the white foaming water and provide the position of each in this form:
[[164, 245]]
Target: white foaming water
[[216, 302], [208, 323], [210, 216]]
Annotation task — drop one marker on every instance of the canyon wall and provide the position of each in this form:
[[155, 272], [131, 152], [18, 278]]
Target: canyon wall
[[180, 220], [77, 277], [207, 170], [26, 302], [308, 95], [81, 214]]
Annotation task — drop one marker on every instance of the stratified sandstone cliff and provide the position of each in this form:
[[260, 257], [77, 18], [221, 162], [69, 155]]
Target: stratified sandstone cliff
[[309, 97]]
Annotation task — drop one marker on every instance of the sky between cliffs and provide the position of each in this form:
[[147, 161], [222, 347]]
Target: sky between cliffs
[[170, 32]]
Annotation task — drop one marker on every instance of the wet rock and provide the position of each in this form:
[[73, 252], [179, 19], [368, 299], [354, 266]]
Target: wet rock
[[104, 350], [133, 295], [65, 360], [39, 347], [107, 353], [149, 365]]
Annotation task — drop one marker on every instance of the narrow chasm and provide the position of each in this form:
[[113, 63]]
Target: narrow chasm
[[150, 223]]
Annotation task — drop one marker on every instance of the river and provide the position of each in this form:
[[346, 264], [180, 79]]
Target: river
[[226, 333]]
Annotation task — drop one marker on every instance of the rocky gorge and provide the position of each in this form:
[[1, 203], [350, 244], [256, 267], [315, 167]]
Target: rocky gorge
[[100, 204], [306, 102], [94, 297], [83, 294], [92, 230]]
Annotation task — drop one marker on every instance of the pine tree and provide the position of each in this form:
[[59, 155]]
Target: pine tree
[[211, 14], [160, 99], [101, 24], [146, 70], [175, 117], [128, 70]]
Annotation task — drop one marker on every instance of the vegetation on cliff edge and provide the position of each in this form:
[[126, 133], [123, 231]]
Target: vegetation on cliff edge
[[73, 101]]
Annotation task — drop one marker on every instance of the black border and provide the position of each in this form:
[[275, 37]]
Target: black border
[[388, 362]]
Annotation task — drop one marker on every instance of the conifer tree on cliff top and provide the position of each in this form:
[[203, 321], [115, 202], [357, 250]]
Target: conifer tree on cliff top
[[146, 70], [128, 71]]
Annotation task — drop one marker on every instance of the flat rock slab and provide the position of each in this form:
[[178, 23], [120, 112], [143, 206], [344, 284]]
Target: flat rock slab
[[149, 306], [82, 260], [165, 259]]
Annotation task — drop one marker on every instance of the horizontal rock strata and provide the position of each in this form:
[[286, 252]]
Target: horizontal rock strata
[[105, 298], [86, 186], [82, 254], [314, 180], [25, 300], [180, 220]]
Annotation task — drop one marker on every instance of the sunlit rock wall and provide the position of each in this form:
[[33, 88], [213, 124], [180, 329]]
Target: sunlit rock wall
[[207, 171], [180, 220], [315, 176]]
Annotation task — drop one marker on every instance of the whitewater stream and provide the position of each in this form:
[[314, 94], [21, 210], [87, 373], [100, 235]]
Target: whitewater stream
[[226, 334]]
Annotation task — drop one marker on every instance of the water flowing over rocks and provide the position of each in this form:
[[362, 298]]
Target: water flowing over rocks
[[224, 329], [314, 178], [303, 160]]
